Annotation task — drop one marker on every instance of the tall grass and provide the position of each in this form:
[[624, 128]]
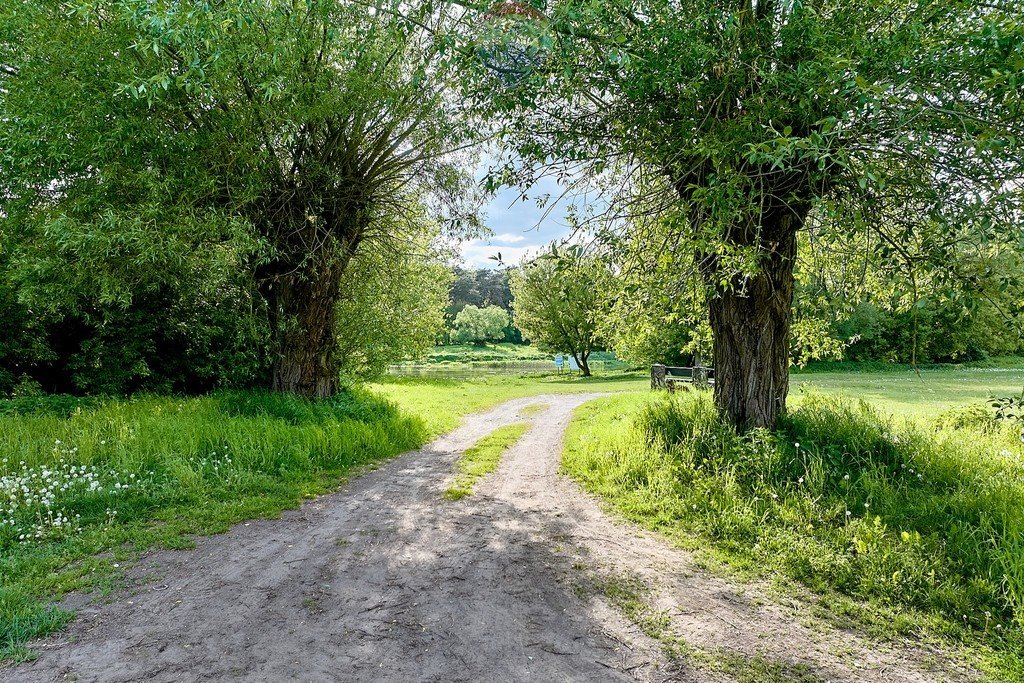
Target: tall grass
[[123, 475], [921, 526]]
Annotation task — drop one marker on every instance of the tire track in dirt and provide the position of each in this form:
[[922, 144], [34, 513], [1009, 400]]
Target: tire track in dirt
[[386, 581]]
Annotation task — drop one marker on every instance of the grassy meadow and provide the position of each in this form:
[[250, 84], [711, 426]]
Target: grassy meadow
[[905, 527], [440, 403], [85, 485], [902, 391]]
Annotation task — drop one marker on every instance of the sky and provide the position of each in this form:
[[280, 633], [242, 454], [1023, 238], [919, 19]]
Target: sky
[[520, 229]]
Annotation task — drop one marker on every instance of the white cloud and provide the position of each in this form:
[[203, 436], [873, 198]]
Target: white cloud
[[507, 238], [522, 229], [478, 254]]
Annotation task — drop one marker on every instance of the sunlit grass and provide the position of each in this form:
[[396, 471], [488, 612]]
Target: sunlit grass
[[441, 404], [901, 392], [153, 471], [904, 392], [533, 409], [483, 457], [909, 529], [190, 466]]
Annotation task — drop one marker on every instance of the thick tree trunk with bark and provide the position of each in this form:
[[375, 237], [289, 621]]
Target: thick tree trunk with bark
[[751, 321], [304, 317]]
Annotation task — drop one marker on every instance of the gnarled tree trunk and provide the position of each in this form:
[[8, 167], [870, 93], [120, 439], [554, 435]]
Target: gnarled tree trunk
[[303, 303], [306, 362], [583, 361], [750, 320]]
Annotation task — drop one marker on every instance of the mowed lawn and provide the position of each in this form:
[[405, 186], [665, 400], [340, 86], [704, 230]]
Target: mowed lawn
[[923, 394], [900, 391], [442, 403]]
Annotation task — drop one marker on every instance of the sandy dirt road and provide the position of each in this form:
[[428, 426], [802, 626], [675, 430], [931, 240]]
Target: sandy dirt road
[[385, 580]]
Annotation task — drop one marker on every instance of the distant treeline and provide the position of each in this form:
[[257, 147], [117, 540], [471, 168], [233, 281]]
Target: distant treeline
[[207, 329]]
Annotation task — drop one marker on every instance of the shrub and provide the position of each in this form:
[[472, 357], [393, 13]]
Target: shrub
[[480, 325]]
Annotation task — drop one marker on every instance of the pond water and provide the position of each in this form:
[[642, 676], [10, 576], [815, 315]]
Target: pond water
[[484, 369]]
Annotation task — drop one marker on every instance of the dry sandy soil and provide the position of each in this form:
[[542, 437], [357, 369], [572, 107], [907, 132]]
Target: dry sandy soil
[[385, 580]]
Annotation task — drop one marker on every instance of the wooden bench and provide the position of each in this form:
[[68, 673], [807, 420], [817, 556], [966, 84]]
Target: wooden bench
[[667, 377]]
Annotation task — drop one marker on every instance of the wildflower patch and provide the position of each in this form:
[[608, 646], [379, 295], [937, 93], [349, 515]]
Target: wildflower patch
[[36, 502]]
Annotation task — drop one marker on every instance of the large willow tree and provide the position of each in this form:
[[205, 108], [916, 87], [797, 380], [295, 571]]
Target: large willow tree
[[297, 131], [744, 122]]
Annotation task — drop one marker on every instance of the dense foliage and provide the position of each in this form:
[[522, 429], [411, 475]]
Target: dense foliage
[[969, 308], [482, 287], [479, 287], [209, 328], [394, 309], [477, 325], [186, 326], [849, 304], [300, 134]]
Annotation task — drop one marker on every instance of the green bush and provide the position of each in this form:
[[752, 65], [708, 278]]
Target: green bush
[[61, 405], [972, 417]]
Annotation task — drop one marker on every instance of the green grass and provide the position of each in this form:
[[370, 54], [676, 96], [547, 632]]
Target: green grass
[[440, 404], [126, 475], [483, 458], [631, 596], [904, 528], [533, 409], [901, 391], [904, 392], [169, 468], [504, 352], [876, 366], [198, 465]]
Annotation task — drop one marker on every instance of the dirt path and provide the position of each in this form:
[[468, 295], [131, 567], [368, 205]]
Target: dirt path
[[386, 581]]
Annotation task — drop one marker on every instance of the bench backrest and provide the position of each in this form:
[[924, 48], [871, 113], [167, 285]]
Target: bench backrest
[[688, 371]]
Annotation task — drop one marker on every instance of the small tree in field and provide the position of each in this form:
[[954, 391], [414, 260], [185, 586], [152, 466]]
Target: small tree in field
[[557, 305], [475, 325]]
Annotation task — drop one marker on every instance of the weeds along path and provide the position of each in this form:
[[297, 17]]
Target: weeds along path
[[525, 580]]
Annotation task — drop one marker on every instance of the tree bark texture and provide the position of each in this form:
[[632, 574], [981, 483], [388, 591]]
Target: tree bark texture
[[658, 373], [303, 301], [306, 363], [750, 320]]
